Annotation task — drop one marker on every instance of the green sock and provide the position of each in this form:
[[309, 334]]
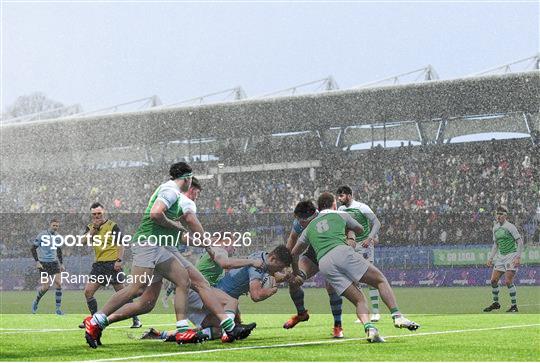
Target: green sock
[[395, 312], [368, 326], [495, 292], [374, 297], [227, 324], [513, 294]]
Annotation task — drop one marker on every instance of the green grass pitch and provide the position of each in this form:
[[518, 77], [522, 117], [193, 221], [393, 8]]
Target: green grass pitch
[[453, 328]]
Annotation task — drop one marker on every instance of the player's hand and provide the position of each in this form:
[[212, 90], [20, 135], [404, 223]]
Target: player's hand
[[210, 252], [39, 265], [351, 242], [489, 263], [368, 242], [273, 290], [62, 268], [257, 263], [296, 280], [517, 261], [118, 266], [94, 230]]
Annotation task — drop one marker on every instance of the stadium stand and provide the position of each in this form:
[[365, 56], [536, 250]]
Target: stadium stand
[[258, 158]]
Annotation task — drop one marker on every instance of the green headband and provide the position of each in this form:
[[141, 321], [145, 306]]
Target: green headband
[[185, 176]]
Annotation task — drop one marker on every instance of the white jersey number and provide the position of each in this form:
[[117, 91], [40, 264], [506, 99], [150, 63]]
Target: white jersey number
[[323, 226]]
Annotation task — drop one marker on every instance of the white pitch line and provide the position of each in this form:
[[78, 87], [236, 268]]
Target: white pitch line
[[55, 330], [328, 341]]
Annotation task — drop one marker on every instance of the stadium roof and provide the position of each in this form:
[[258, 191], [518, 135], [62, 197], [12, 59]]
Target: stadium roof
[[435, 100]]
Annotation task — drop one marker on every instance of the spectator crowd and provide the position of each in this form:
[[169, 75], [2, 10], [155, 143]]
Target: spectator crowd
[[430, 194]]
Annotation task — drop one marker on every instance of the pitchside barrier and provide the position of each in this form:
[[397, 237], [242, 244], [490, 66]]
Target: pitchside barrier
[[406, 266]]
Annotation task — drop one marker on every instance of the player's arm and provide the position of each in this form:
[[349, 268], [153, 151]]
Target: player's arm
[[375, 227], [195, 226], [258, 293], [35, 245], [157, 214], [226, 263], [299, 248], [280, 277], [35, 256], [514, 232], [351, 238], [352, 224], [291, 241], [492, 252], [517, 259]]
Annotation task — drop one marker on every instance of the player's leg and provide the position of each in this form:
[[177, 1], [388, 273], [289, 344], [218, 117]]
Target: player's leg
[[336, 303], [229, 304], [373, 292], [495, 277], [509, 279], [309, 268], [145, 259], [209, 298], [209, 327], [215, 305], [95, 324], [42, 290], [374, 298], [172, 270], [168, 293], [355, 296], [207, 295], [89, 290], [139, 275], [136, 322], [58, 294], [375, 278], [342, 268], [144, 304]]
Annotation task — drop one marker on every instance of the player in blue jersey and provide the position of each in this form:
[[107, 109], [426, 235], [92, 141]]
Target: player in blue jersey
[[249, 279], [237, 282], [307, 267], [49, 262]]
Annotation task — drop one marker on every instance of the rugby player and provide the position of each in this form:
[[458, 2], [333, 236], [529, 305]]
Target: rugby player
[[49, 264], [365, 241], [504, 258], [160, 225], [342, 267], [234, 283], [307, 267]]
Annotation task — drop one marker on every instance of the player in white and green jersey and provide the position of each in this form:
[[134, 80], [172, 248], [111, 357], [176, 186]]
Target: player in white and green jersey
[[365, 242], [343, 267], [161, 227], [505, 258]]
